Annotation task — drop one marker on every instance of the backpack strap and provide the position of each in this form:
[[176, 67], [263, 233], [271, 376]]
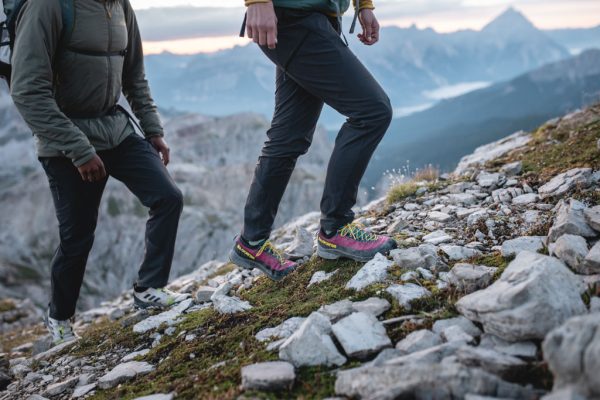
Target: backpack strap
[[67, 9]]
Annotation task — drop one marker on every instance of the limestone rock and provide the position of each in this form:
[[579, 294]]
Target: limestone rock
[[418, 340], [524, 243], [406, 293], [489, 360], [230, 305], [81, 391], [457, 253], [519, 306], [338, 310], [439, 216], [563, 183], [572, 250], [591, 264], [204, 294], [282, 331], [311, 344], [467, 326], [525, 199], [374, 305], [469, 278], [437, 237], [158, 396], [301, 246], [268, 376], [592, 217], [124, 372], [321, 276], [570, 219], [422, 381], [512, 169], [414, 257], [489, 180], [372, 272], [525, 349], [573, 354], [455, 333], [361, 335], [58, 388], [168, 317]]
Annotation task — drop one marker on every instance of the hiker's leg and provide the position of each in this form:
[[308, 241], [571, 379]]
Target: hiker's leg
[[327, 69], [290, 135], [76, 203], [137, 164]]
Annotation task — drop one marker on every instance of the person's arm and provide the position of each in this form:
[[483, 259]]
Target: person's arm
[[38, 35], [370, 25], [136, 88], [261, 23]]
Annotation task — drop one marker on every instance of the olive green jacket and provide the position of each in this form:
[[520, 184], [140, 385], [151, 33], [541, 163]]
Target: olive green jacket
[[66, 86]]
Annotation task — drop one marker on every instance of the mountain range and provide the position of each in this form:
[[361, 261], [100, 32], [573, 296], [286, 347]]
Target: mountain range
[[408, 62], [442, 134]]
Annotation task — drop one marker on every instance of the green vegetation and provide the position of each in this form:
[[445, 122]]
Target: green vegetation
[[401, 192]]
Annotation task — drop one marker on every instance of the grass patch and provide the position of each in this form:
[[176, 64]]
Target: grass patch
[[401, 192], [427, 174], [6, 305]]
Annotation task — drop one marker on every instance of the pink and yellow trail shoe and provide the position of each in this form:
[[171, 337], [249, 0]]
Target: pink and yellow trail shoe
[[353, 242], [264, 257]]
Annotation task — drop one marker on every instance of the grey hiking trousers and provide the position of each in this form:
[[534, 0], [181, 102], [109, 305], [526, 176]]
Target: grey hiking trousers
[[316, 67]]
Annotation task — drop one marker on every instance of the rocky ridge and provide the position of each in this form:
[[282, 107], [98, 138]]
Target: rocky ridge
[[490, 295]]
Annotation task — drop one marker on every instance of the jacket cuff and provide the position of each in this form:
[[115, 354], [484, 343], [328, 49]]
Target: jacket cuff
[[149, 135], [87, 156], [366, 4], [250, 2]]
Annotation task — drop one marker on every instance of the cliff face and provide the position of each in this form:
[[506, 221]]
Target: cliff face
[[493, 292], [213, 161]]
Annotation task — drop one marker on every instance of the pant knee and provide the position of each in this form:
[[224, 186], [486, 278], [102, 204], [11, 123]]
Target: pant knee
[[77, 245], [173, 199]]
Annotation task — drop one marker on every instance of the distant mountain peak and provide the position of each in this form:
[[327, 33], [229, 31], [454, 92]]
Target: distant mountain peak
[[511, 21]]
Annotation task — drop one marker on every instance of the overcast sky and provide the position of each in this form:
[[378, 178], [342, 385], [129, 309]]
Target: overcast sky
[[208, 28]]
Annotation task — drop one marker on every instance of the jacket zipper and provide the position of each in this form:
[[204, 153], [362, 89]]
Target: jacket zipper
[[108, 57]]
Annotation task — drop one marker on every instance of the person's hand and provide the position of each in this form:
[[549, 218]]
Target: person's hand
[[261, 24], [161, 146], [93, 170], [370, 27]]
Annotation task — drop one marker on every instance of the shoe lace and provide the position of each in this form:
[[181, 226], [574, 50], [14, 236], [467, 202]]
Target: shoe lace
[[357, 232], [269, 248]]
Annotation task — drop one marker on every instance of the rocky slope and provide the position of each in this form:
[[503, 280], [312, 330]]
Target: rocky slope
[[213, 161], [493, 293]]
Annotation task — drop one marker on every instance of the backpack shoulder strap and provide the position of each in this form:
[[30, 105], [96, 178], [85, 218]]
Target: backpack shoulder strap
[[67, 9]]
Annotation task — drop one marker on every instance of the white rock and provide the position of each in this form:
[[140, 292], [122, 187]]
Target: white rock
[[374, 271], [519, 306], [591, 264], [58, 388], [301, 246], [524, 243], [595, 305], [124, 372], [475, 217], [592, 217], [131, 356], [204, 294], [81, 391], [456, 253], [489, 360], [464, 199], [268, 376], [531, 216], [321, 276], [230, 305], [169, 317], [311, 344], [374, 305], [437, 237], [525, 199], [425, 274], [406, 293], [414, 257], [487, 180], [469, 278], [418, 340], [572, 250], [282, 331], [571, 352], [570, 219], [467, 326], [525, 349], [561, 184], [512, 169], [361, 335], [455, 333], [439, 216], [158, 396], [337, 310]]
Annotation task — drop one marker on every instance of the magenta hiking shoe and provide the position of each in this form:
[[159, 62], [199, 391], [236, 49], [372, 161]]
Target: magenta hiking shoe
[[266, 258], [352, 241]]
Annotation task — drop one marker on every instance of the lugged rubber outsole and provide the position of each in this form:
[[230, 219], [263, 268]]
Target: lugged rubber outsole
[[335, 254], [244, 263]]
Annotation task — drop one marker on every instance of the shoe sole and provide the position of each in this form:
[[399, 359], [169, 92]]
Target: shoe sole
[[250, 265], [141, 305], [331, 254]]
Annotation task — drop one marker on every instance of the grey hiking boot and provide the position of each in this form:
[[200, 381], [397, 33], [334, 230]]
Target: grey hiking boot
[[158, 298], [61, 331]]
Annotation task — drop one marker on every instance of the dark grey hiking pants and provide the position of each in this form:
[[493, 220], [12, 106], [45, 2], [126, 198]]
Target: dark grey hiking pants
[[137, 164], [315, 67]]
